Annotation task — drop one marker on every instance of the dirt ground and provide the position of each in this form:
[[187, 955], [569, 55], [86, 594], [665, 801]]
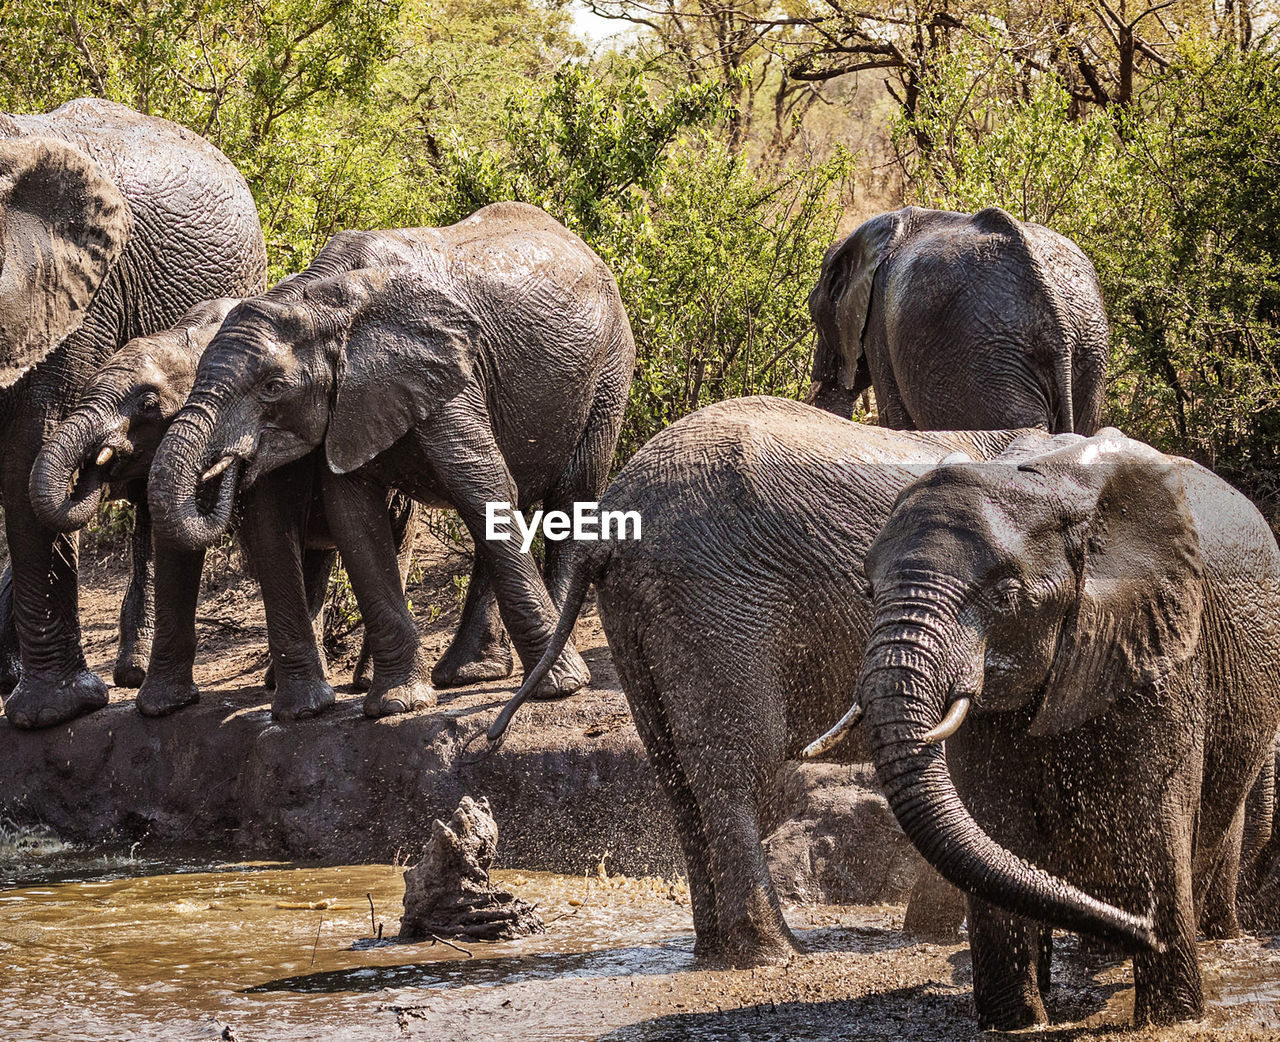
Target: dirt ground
[[869, 980]]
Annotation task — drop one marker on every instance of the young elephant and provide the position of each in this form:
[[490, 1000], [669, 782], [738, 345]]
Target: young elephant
[[1110, 617], [105, 448], [738, 624], [490, 363], [961, 321]]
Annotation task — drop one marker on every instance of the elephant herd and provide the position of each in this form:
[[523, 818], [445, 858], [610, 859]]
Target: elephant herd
[[1062, 645]]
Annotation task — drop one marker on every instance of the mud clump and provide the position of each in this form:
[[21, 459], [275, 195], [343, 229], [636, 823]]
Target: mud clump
[[449, 894]]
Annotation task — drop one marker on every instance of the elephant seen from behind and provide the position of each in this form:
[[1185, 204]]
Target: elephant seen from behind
[[961, 322]]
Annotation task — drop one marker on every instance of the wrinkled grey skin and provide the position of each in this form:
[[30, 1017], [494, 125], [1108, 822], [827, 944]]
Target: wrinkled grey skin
[[1114, 615], [487, 361], [125, 409], [960, 322], [738, 625], [112, 224]]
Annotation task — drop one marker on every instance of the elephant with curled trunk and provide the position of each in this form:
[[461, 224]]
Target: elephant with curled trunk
[[738, 625], [106, 447], [484, 362], [1109, 617], [961, 322], [112, 224]]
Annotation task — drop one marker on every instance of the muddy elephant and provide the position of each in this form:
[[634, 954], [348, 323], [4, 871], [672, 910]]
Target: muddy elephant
[[1109, 618], [105, 448], [112, 224], [738, 623], [960, 322], [485, 362]]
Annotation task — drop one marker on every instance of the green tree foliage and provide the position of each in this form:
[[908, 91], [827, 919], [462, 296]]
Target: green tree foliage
[[330, 109], [1177, 202], [714, 265]]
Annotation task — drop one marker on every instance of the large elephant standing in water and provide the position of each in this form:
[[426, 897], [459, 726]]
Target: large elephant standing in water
[[1109, 618], [738, 625], [961, 322], [112, 224], [485, 362]]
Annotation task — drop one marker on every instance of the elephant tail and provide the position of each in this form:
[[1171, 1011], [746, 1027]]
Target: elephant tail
[[587, 569]]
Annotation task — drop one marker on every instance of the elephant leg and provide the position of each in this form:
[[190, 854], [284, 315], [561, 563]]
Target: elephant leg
[[753, 931], [1167, 984], [357, 511], [646, 702], [1219, 919], [403, 513], [1007, 958], [137, 610], [317, 568], [10, 653], [935, 909], [56, 684], [480, 649], [271, 528], [468, 463], [732, 760], [170, 682], [1258, 837]]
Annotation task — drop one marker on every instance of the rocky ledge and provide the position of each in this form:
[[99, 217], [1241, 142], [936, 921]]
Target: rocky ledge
[[570, 785]]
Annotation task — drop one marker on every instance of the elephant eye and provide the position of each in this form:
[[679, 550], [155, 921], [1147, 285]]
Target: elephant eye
[[1006, 594], [149, 402], [274, 387]]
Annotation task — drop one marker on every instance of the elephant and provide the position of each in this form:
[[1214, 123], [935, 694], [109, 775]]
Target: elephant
[[480, 363], [1109, 619], [112, 224], [106, 447], [738, 623], [960, 322]]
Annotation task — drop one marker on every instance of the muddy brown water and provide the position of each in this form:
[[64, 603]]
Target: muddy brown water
[[100, 945]]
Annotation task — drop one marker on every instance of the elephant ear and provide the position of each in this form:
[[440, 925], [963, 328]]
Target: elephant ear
[[841, 301], [410, 347], [63, 224], [1140, 594]]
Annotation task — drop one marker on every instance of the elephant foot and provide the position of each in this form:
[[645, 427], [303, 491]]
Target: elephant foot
[[568, 675], [492, 663], [299, 699], [158, 697], [130, 671], [37, 703], [744, 953], [403, 698], [1023, 1014]]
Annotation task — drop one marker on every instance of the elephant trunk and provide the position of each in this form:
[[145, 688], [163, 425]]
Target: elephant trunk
[[67, 481], [192, 495], [903, 690]]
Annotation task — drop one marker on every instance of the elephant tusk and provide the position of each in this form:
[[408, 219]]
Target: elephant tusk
[[217, 469], [950, 723], [836, 735], [104, 457]]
